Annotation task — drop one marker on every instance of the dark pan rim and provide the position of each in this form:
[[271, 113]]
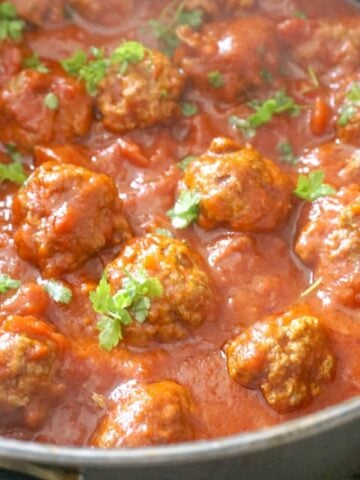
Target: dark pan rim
[[191, 452]]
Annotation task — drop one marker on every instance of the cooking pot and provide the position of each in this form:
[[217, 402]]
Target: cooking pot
[[321, 446]]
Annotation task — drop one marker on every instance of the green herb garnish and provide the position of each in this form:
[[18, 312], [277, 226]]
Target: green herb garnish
[[11, 27], [34, 63], [189, 109], [216, 79], [13, 172], [57, 291], [164, 232], [132, 302], [264, 112], [7, 283], [51, 101], [186, 209], [300, 14], [128, 53], [311, 187], [351, 105], [287, 153], [13, 152], [185, 162]]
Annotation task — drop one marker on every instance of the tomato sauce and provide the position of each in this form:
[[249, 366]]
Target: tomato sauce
[[254, 275]]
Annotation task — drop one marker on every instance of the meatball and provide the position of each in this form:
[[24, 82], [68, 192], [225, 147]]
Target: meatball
[[146, 94], [93, 10], [348, 122], [286, 356], [40, 12], [186, 301], [239, 50], [238, 188], [329, 242], [331, 47], [28, 119], [30, 355], [66, 214], [145, 415], [11, 59]]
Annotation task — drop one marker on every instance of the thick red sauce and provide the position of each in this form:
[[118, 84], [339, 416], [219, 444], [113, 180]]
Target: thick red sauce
[[250, 283]]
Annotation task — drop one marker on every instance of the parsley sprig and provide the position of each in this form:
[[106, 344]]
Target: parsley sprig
[[92, 69], [132, 302], [311, 187], [34, 63], [264, 112], [174, 15], [7, 283], [11, 27], [186, 209], [351, 104]]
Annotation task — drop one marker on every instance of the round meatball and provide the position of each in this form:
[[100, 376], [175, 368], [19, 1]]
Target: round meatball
[[331, 47], [146, 94], [145, 415], [29, 118], [329, 242], [93, 10], [40, 12], [186, 301], [239, 50], [30, 355], [239, 188], [286, 356], [66, 214], [348, 121]]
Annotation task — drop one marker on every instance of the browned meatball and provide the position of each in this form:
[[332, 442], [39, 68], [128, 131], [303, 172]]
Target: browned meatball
[[238, 187], [66, 214], [347, 100], [40, 12], [239, 50], [286, 356], [331, 47], [28, 119], [30, 354], [115, 13], [329, 242], [145, 415], [146, 94], [186, 301]]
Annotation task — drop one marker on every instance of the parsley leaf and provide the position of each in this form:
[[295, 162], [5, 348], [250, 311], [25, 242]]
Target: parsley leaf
[[173, 15], [312, 186], [13, 172], [351, 104], [13, 152], [75, 63], [34, 63], [57, 291], [128, 53], [264, 112], [300, 14], [185, 162], [10, 25], [164, 232], [287, 153], [216, 79], [51, 101], [186, 209], [189, 109], [132, 301], [7, 283]]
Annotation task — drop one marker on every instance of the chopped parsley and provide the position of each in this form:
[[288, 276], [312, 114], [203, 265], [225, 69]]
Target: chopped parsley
[[300, 14], [287, 153], [164, 232], [7, 283], [51, 101], [216, 79], [11, 27], [311, 187], [351, 104], [13, 152], [185, 162], [33, 62], [57, 291], [93, 69], [174, 15], [186, 209], [264, 112], [13, 172], [131, 303], [189, 109]]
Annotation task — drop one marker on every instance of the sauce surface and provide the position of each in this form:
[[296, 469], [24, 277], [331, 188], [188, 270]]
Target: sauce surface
[[254, 274]]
